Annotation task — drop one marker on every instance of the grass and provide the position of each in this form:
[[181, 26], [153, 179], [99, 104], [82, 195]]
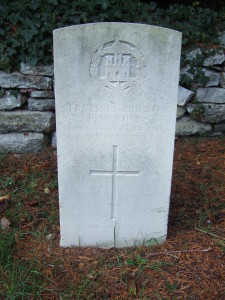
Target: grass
[[19, 280], [33, 266]]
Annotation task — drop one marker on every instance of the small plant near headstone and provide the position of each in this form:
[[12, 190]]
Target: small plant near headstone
[[200, 78], [136, 261], [198, 111], [186, 81]]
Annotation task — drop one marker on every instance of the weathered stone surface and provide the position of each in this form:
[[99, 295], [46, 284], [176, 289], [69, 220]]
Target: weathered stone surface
[[115, 131], [41, 104], [215, 59], [37, 70], [42, 94], [185, 71], [187, 126], [219, 127], [19, 121], [10, 101], [191, 108], [211, 95], [23, 142], [213, 113], [184, 96], [193, 54], [222, 79], [214, 77], [54, 139], [17, 80], [180, 111]]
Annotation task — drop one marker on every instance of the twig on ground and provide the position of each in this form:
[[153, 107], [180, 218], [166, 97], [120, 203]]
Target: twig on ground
[[204, 231], [178, 251]]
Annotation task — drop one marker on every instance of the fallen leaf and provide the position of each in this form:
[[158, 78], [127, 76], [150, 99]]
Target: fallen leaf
[[81, 265], [26, 168], [92, 275], [5, 224], [33, 203], [50, 236], [3, 202], [4, 198], [13, 27]]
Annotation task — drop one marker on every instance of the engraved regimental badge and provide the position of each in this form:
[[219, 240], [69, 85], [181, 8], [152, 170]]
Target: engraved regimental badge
[[118, 65]]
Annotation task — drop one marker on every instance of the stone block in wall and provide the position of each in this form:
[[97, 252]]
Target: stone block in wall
[[216, 58], [180, 111], [219, 127], [17, 80], [20, 121], [10, 101], [185, 71], [188, 126], [41, 104], [211, 95], [194, 54], [212, 113], [54, 140], [42, 94], [23, 142], [213, 77], [37, 70], [222, 79], [222, 38], [184, 96]]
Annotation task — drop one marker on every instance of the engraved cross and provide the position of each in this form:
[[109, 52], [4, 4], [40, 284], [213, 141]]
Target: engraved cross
[[114, 173]]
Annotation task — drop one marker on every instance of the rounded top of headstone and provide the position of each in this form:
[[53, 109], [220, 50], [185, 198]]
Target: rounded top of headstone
[[119, 24]]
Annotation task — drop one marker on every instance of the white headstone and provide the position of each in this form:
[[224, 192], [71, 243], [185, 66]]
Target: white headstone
[[116, 88]]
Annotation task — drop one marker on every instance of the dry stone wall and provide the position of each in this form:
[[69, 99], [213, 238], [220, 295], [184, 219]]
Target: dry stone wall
[[202, 111], [27, 118]]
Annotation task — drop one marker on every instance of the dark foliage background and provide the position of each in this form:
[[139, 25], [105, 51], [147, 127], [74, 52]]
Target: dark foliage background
[[26, 26], [216, 4]]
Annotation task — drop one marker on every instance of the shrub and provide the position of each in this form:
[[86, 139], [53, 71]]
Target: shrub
[[26, 26]]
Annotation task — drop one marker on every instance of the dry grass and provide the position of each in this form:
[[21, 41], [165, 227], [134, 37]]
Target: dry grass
[[190, 265]]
